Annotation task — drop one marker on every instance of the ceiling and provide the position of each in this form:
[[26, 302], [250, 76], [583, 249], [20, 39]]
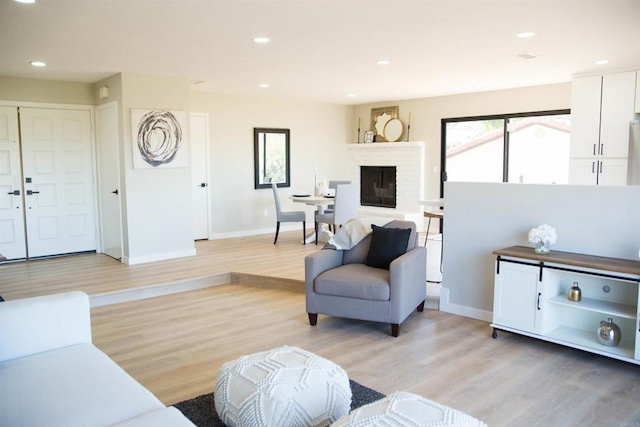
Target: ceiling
[[322, 50]]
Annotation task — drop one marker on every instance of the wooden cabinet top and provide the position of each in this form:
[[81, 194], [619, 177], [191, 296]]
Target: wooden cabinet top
[[618, 265]]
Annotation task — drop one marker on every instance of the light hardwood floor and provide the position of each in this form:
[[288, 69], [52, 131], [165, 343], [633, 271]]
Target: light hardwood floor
[[175, 344]]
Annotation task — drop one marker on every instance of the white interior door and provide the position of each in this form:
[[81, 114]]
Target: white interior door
[[58, 181], [109, 179], [12, 239], [199, 124]]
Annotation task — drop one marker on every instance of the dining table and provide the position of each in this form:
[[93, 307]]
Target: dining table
[[321, 203]]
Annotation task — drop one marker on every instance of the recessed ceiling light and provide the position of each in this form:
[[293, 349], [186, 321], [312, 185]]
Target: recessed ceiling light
[[351, 95], [263, 85], [383, 62], [26, 1], [601, 62], [262, 40], [38, 64], [525, 35]]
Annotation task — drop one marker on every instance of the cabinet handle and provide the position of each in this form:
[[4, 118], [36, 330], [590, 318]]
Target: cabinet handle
[[594, 149], [539, 295], [593, 166], [602, 149], [600, 165]]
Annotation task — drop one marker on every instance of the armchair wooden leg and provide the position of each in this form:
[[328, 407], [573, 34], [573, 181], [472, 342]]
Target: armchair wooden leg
[[277, 230], [395, 329], [313, 318], [421, 306]]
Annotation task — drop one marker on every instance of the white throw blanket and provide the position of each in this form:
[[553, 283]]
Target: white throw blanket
[[353, 231]]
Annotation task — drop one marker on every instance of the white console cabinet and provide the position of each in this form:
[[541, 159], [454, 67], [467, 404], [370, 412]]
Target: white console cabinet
[[531, 298]]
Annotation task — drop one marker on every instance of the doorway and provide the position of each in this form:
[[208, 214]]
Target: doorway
[[47, 182], [199, 126]]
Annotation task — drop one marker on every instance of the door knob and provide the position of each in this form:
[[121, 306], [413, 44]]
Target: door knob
[[203, 184], [115, 191], [14, 192], [30, 192]]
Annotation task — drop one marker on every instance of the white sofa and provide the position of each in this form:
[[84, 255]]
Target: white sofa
[[52, 375]]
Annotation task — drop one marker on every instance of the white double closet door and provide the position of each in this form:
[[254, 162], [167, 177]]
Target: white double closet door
[[47, 198]]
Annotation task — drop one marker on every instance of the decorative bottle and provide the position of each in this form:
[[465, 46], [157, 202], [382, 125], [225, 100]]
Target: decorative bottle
[[575, 293]]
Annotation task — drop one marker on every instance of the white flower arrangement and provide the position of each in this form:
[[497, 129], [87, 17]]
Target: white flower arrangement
[[543, 233]]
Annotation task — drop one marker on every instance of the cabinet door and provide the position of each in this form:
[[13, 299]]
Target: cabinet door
[[612, 171], [517, 297], [637, 328], [618, 96], [585, 116], [637, 92], [583, 171]]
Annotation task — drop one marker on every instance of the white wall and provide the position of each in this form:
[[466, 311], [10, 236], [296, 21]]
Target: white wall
[[318, 147], [427, 114], [483, 217], [45, 91], [158, 202]]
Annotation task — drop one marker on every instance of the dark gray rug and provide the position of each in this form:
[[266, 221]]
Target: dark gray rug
[[202, 412]]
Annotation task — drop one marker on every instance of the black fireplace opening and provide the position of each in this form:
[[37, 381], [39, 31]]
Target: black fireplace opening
[[378, 186]]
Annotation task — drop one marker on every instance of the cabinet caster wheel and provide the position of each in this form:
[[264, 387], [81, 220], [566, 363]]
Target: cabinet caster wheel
[[494, 335]]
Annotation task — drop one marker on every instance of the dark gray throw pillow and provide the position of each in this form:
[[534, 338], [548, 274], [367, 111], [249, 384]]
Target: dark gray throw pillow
[[387, 244]]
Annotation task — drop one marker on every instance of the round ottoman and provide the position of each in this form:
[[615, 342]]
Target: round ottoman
[[402, 409], [286, 386]]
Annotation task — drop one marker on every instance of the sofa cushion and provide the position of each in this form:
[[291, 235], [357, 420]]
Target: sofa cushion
[[165, 417], [38, 324], [71, 386], [354, 281], [387, 244]]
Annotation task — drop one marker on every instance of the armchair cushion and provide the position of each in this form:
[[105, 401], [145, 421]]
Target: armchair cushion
[[387, 244], [354, 281]]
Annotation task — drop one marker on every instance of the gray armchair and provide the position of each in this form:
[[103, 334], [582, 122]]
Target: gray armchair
[[339, 283]]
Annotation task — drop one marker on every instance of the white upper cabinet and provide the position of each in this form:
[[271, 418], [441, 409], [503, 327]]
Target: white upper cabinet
[[585, 116], [638, 91], [618, 96], [602, 108]]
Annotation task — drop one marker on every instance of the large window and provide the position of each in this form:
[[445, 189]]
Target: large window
[[527, 148]]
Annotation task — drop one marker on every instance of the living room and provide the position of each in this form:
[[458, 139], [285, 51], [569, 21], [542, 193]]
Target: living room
[[494, 217]]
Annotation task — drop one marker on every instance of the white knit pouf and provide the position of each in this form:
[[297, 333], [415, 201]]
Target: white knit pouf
[[402, 409], [286, 386]]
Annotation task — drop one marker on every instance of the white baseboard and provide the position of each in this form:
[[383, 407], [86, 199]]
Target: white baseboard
[[158, 257], [260, 231], [462, 310]]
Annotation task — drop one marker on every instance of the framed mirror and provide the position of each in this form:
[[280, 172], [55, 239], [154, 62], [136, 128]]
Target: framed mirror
[[393, 130], [271, 157]]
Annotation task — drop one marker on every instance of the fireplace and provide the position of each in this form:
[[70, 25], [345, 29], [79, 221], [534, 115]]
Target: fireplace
[[408, 159], [378, 186]]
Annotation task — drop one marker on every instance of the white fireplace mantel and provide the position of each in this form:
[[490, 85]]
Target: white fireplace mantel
[[409, 160]]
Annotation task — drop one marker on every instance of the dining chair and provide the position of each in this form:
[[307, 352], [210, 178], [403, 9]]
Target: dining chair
[[333, 185], [346, 204], [439, 215], [290, 216]]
